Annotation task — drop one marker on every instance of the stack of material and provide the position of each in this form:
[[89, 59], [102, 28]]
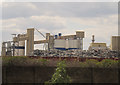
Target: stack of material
[[77, 53]]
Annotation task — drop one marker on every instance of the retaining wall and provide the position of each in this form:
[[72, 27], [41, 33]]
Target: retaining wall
[[23, 75]]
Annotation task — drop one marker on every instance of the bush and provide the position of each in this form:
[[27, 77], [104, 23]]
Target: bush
[[23, 61], [60, 75], [107, 63], [90, 63], [43, 62], [15, 60]]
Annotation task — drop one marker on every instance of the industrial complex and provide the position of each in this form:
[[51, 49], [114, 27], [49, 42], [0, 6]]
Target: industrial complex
[[59, 45]]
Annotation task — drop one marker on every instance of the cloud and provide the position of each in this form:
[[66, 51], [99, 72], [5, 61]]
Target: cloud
[[60, 0], [102, 27], [99, 19], [74, 9], [42, 23]]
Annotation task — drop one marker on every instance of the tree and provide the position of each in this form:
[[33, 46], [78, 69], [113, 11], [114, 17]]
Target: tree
[[60, 75]]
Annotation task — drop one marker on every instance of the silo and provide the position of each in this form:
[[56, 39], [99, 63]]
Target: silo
[[115, 43]]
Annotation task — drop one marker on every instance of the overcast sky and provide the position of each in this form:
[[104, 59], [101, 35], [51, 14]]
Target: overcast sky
[[95, 18]]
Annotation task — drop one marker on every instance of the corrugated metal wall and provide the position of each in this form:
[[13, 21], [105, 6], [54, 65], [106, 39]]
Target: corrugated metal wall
[[67, 44]]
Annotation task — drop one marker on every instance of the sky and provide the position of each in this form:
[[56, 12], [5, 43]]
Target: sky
[[95, 18]]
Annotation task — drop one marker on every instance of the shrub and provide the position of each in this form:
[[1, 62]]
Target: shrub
[[90, 63], [23, 61], [83, 64], [107, 63], [43, 61], [60, 75], [15, 60]]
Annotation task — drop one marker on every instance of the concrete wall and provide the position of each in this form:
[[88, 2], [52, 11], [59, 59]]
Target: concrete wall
[[42, 74]]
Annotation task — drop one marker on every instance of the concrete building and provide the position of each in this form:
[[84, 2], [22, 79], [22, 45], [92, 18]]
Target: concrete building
[[69, 41], [97, 46], [115, 43]]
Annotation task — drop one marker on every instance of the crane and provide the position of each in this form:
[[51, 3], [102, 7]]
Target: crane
[[41, 33], [43, 37]]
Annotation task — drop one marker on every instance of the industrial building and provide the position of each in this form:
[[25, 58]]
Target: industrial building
[[115, 43], [97, 46], [16, 47], [69, 41], [59, 45]]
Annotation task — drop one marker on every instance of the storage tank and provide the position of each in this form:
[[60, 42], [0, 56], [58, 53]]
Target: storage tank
[[59, 35], [56, 36]]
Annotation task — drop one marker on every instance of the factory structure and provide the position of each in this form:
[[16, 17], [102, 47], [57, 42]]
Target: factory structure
[[17, 47], [115, 43], [97, 46], [23, 44]]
